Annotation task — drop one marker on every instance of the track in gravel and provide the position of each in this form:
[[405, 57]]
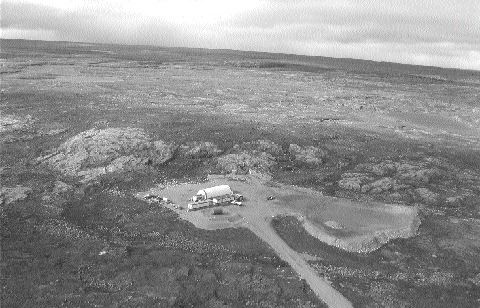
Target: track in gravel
[[324, 291], [257, 212]]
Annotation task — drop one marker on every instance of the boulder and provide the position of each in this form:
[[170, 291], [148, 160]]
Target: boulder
[[308, 154], [96, 152]]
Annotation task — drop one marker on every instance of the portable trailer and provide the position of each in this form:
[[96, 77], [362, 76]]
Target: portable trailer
[[199, 205]]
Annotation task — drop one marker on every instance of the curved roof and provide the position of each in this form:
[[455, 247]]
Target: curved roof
[[215, 191]]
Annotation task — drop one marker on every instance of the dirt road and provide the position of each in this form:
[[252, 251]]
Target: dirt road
[[262, 228], [257, 212]]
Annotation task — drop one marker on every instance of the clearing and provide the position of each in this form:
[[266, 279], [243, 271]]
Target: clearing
[[349, 225]]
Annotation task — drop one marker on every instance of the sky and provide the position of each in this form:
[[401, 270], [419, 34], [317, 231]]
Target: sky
[[443, 33]]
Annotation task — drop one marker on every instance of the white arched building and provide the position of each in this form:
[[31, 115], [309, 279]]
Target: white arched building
[[216, 195], [214, 192]]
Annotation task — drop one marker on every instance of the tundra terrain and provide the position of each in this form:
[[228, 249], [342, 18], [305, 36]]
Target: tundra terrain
[[85, 127]]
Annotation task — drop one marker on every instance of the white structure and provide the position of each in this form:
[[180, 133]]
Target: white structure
[[211, 196], [214, 192]]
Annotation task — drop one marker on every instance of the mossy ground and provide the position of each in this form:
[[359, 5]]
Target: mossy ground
[[104, 247]]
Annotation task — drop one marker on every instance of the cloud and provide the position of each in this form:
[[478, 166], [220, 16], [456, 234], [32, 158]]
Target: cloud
[[86, 25], [385, 21], [441, 32]]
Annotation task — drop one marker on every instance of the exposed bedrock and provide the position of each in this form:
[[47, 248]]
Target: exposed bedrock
[[244, 162], [433, 182], [9, 123], [263, 145], [95, 152], [199, 150], [12, 194], [307, 154]]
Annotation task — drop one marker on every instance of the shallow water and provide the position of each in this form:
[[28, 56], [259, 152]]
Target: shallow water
[[355, 218]]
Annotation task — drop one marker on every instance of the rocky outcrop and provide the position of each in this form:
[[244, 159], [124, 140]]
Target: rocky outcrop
[[60, 187], [242, 163], [353, 181], [307, 154], [264, 145], [199, 150], [53, 199], [9, 195], [408, 179], [415, 175], [379, 186], [22, 128], [257, 156], [408, 172], [384, 168], [9, 123], [425, 195], [96, 152], [456, 200]]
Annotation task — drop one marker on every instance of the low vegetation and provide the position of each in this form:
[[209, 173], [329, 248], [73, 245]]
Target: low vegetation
[[75, 146]]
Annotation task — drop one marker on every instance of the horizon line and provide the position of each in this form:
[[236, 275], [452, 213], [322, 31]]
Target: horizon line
[[252, 51]]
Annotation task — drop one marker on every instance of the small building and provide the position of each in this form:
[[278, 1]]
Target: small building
[[212, 196], [214, 192]]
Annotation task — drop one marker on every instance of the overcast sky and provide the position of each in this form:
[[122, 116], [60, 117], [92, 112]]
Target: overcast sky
[[428, 32]]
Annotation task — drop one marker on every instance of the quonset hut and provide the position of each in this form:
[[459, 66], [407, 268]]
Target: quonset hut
[[211, 196], [215, 192]]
